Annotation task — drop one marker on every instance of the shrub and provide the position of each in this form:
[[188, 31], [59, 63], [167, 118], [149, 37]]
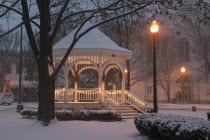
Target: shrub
[[100, 115], [29, 113], [61, 115], [64, 115], [88, 115], [172, 126]]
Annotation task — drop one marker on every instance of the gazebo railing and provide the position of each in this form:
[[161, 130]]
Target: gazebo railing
[[135, 101], [117, 94], [110, 101], [84, 94], [74, 94], [108, 98], [70, 94], [59, 94]]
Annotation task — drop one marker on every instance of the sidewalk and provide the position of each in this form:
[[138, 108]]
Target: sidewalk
[[201, 107]]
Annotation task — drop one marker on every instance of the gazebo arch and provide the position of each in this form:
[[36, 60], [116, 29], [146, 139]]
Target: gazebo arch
[[113, 62], [87, 67], [81, 59], [109, 68]]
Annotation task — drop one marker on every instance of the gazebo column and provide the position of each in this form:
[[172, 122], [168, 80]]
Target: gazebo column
[[66, 84], [76, 85], [123, 87], [100, 79], [100, 73]]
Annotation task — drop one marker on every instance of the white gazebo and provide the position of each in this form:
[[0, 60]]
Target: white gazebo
[[94, 51]]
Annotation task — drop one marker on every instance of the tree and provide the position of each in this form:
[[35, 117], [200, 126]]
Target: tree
[[128, 32], [51, 15], [196, 28], [171, 54]]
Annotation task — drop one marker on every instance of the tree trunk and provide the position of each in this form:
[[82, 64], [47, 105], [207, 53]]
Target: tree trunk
[[168, 93], [46, 110]]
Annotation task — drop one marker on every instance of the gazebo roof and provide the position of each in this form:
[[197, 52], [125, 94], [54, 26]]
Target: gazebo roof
[[94, 39]]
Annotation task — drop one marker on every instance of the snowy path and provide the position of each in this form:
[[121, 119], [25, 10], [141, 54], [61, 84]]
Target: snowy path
[[202, 107], [12, 126], [197, 114]]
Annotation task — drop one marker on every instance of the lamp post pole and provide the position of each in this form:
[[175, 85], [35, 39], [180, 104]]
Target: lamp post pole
[[20, 106], [20, 67], [154, 73], [183, 70], [154, 30]]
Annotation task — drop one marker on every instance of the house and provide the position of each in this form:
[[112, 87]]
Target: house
[[10, 83], [173, 53]]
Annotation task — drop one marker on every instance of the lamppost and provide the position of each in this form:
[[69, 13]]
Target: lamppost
[[183, 70], [154, 30], [19, 106]]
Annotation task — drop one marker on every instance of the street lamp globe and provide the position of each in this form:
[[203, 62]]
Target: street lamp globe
[[126, 70], [154, 27], [183, 69]]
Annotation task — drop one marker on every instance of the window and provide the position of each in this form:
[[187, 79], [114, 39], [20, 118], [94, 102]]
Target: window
[[183, 50], [149, 89]]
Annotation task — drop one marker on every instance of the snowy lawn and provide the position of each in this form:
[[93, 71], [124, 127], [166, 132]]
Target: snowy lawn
[[12, 126]]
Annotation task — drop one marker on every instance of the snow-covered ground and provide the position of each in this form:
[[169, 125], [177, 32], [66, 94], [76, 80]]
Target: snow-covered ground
[[12, 126], [183, 106], [185, 109], [197, 114]]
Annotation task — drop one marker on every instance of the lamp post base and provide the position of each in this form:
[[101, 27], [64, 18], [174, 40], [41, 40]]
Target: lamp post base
[[19, 108]]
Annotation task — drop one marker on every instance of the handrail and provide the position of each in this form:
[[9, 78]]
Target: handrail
[[117, 94], [111, 102], [136, 97], [136, 102]]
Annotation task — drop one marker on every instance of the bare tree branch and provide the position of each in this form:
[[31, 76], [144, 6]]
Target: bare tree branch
[[29, 30], [5, 12], [75, 39]]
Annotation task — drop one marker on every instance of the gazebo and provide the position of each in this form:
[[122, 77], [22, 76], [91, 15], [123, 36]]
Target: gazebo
[[93, 51]]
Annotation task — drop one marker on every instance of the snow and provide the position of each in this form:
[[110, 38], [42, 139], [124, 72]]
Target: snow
[[99, 111], [184, 109], [64, 111], [197, 114], [12, 126], [182, 106], [173, 124], [94, 39]]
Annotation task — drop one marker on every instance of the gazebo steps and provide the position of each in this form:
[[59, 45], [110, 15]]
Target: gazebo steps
[[129, 112], [128, 117]]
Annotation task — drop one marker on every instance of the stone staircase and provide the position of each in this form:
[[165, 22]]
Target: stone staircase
[[129, 112]]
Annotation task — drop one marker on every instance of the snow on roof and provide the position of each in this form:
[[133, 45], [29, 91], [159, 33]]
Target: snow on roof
[[94, 39]]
